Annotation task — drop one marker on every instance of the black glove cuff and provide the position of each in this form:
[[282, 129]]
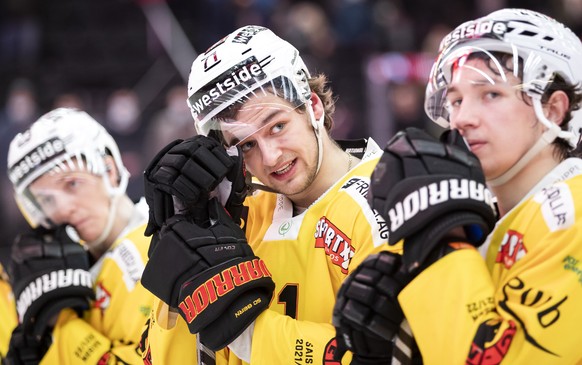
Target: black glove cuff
[[419, 248]]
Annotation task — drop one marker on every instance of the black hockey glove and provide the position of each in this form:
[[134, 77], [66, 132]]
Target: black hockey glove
[[367, 315], [190, 170], [424, 188], [48, 272], [25, 348], [210, 274]]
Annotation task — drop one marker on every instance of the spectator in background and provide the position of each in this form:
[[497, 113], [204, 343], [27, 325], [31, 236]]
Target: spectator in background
[[172, 122], [123, 120], [20, 111]]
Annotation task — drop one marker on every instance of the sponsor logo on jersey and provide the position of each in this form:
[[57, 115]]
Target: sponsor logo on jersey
[[557, 206], [246, 33], [572, 264], [483, 350], [511, 249], [87, 346], [543, 308], [358, 184], [23, 168], [128, 259], [336, 244], [202, 101], [487, 28], [434, 194], [478, 309], [220, 285], [49, 282], [383, 230], [284, 228]]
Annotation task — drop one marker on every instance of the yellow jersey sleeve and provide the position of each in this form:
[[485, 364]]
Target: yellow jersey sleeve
[[7, 313]]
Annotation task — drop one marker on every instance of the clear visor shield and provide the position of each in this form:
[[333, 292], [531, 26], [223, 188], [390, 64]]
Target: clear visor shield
[[50, 194], [240, 102], [476, 68]]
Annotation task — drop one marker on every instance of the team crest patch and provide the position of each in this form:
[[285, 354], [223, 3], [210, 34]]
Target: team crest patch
[[329, 353], [336, 244], [511, 249], [102, 297], [486, 350]]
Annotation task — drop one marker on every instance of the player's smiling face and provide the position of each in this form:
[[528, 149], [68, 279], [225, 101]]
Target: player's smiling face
[[278, 143]]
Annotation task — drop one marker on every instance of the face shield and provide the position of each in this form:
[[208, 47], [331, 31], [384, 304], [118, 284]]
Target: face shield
[[243, 101], [68, 181], [478, 66]]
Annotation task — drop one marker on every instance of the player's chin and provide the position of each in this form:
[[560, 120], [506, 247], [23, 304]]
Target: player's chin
[[293, 188], [88, 234]]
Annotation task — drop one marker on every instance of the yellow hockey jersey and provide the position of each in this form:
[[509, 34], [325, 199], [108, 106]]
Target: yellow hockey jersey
[[521, 305], [111, 329], [309, 255], [9, 318]]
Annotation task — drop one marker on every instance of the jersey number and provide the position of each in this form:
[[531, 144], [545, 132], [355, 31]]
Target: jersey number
[[288, 297]]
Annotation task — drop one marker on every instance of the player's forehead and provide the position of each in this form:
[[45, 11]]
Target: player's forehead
[[480, 71], [55, 180], [254, 115]]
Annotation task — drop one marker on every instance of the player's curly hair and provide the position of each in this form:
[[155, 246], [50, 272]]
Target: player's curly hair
[[320, 85]]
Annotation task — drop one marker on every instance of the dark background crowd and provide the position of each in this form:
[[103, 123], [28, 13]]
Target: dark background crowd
[[126, 62]]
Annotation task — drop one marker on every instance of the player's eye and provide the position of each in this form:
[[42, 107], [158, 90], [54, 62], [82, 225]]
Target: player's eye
[[247, 146], [46, 201], [277, 128], [492, 95]]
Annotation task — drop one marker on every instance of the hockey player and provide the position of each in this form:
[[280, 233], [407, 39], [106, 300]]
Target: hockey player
[[76, 303], [509, 83], [267, 301], [7, 313]]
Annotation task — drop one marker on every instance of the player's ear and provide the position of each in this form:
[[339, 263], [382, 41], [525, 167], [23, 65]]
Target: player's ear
[[557, 106], [317, 105], [111, 170]]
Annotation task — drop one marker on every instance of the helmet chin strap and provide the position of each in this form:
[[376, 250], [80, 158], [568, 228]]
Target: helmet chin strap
[[553, 131], [317, 125], [115, 194], [109, 225]]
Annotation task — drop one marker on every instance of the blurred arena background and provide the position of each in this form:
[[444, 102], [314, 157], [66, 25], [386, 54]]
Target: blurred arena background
[[126, 62]]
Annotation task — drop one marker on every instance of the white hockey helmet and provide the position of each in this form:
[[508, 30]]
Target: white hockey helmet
[[250, 61], [545, 47], [60, 140]]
